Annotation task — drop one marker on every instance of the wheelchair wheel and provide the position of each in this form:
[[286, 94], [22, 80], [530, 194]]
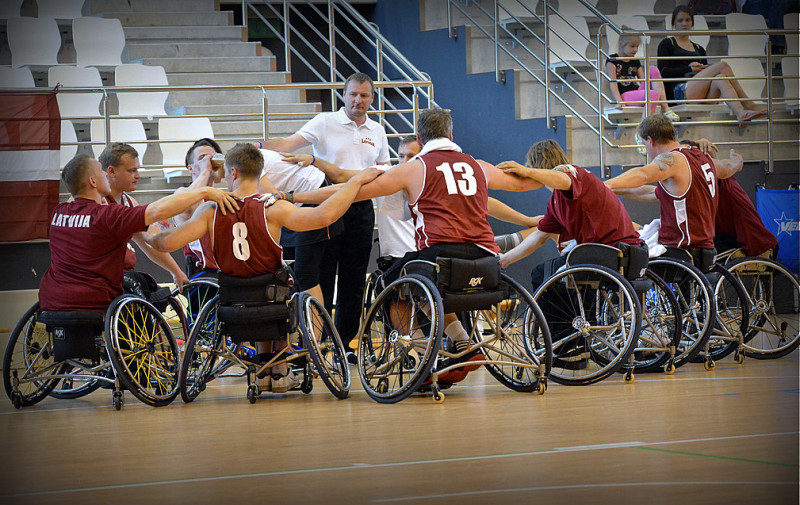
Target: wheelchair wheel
[[142, 350], [594, 319], [29, 353], [370, 291], [695, 298], [400, 339], [201, 352], [196, 293], [324, 345], [773, 295], [733, 316], [661, 319], [521, 335]]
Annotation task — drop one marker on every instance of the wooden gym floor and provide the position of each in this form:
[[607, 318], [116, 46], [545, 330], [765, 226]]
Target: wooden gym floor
[[728, 436]]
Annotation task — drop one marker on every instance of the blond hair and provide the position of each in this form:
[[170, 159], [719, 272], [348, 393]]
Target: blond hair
[[546, 154]]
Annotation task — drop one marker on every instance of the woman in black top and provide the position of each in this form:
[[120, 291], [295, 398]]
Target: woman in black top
[[680, 45]]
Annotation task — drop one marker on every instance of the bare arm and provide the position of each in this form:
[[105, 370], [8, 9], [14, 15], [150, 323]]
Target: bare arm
[[729, 167], [508, 181], [162, 259], [646, 193], [286, 144], [335, 173], [613, 87], [532, 242], [197, 226], [555, 179], [174, 204], [664, 166], [503, 212], [390, 181]]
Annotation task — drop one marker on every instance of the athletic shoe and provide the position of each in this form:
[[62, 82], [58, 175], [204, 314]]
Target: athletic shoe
[[264, 384], [672, 116], [284, 383], [352, 359]]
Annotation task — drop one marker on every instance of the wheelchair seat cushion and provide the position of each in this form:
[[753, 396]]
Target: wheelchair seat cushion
[[469, 284], [267, 288], [269, 321], [634, 260], [74, 333], [595, 254]]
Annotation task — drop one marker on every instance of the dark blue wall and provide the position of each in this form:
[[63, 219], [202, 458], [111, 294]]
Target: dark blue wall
[[483, 110]]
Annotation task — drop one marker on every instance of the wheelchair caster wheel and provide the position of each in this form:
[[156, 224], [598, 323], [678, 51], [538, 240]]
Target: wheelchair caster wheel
[[382, 386], [669, 369], [16, 400], [709, 365], [629, 378], [438, 396], [541, 386], [117, 400], [307, 385], [252, 394], [739, 357]]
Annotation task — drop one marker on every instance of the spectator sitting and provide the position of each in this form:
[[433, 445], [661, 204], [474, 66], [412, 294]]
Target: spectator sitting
[[623, 65], [708, 88]]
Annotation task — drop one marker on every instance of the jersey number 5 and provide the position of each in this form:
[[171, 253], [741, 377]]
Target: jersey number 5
[[241, 249], [711, 178], [466, 183]]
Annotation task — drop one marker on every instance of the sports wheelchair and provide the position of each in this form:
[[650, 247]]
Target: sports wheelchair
[[608, 312], [759, 300], [401, 348], [262, 308]]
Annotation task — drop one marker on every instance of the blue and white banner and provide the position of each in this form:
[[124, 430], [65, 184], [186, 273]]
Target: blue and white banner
[[780, 213]]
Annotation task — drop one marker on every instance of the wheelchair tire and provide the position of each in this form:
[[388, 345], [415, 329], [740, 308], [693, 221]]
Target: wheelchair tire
[[594, 319], [733, 316], [392, 363], [773, 294], [142, 350], [370, 291], [525, 338], [661, 318], [324, 346], [30, 349], [196, 293], [201, 352]]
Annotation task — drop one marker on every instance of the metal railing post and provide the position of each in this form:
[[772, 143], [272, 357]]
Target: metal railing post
[[449, 19], [379, 67], [107, 119], [770, 132], [547, 61], [244, 15], [646, 78], [603, 170], [264, 113], [287, 51], [332, 52], [496, 42]]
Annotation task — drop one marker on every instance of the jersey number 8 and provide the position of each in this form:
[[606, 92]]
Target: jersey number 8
[[241, 249]]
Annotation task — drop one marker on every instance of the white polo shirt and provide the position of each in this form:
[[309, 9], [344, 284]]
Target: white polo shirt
[[338, 140], [395, 234], [290, 176]]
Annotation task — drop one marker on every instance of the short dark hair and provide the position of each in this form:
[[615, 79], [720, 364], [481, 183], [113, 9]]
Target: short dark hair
[[433, 124], [359, 77], [678, 10], [246, 158], [407, 140], [74, 173], [658, 127], [205, 141], [111, 155]]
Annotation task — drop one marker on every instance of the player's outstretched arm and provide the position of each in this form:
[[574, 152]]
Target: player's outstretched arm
[[503, 212], [532, 242], [176, 203], [172, 239], [285, 144]]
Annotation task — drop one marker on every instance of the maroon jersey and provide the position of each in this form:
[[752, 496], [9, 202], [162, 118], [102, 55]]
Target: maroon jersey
[[130, 252], [687, 220], [452, 206], [588, 212], [201, 251], [87, 248], [738, 218], [242, 244]]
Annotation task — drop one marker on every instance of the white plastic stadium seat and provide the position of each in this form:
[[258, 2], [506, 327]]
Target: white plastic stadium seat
[[700, 23], [573, 47], [33, 41], [635, 22], [141, 104], [130, 131], [791, 81], [180, 128], [569, 8], [76, 104], [791, 21], [746, 45], [98, 41], [67, 135], [16, 78], [749, 67], [60, 9]]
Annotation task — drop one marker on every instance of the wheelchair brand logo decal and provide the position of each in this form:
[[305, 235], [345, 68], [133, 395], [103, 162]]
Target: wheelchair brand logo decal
[[786, 225], [58, 334], [475, 281]]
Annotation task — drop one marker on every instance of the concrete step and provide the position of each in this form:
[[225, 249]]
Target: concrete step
[[137, 51], [306, 109], [202, 33], [233, 97], [223, 129], [192, 78], [100, 6], [190, 18], [205, 65]]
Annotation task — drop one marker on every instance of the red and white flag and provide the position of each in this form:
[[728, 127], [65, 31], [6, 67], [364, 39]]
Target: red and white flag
[[30, 140]]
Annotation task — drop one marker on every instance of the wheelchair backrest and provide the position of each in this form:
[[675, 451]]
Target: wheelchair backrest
[[464, 284], [630, 261], [73, 333], [255, 308], [701, 258]]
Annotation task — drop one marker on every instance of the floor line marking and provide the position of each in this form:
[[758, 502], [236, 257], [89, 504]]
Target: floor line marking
[[356, 466], [730, 458]]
